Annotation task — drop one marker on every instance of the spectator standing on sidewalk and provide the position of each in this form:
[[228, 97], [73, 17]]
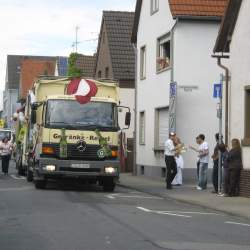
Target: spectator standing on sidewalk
[[170, 160], [204, 159], [215, 158], [179, 162], [235, 166], [6, 150], [225, 180], [198, 159]]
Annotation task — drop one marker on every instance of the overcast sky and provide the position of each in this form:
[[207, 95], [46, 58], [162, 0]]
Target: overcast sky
[[47, 27]]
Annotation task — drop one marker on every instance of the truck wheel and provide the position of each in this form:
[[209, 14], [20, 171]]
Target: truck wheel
[[29, 175], [40, 184], [19, 167], [108, 185]]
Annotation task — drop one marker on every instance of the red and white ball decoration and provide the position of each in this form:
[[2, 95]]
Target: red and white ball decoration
[[82, 89]]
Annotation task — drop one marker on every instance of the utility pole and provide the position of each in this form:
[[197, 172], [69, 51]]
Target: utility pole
[[76, 42]]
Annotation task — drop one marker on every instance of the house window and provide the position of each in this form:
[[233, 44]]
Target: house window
[[143, 62], [247, 113], [154, 6], [107, 72], [99, 74], [163, 53], [142, 128], [161, 126]]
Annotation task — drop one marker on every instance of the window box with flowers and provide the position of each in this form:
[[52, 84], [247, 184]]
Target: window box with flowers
[[163, 60]]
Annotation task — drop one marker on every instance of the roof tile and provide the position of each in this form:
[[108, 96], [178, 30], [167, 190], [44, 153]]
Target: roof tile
[[213, 8]]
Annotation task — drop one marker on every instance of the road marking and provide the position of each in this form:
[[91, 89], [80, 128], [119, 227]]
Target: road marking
[[183, 212], [17, 177], [237, 223], [16, 189], [162, 212], [114, 196]]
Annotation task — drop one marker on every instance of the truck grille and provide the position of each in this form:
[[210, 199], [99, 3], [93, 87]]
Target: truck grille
[[90, 153], [84, 170]]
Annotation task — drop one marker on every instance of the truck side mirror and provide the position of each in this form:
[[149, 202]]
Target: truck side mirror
[[128, 119], [33, 116]]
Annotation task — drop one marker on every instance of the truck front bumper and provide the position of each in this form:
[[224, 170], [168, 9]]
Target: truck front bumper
[[75, 169]]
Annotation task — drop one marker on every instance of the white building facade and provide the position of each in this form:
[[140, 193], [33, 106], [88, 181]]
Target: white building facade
[[173, 48], [234, 38]]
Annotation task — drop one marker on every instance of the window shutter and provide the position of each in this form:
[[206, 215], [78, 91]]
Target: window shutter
[[163, 126]]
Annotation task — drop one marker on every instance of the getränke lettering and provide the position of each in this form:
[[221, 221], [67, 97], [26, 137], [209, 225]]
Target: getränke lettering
[[80, 137]]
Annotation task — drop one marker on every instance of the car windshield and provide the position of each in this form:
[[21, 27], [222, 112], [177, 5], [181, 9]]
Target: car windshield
[[4, 134], [71, 114]]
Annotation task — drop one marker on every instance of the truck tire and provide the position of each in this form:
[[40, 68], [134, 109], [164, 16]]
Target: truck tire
[[29, 175], [19, 167], [108, 185], [40, 184]]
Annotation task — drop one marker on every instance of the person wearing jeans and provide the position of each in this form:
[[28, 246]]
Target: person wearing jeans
[[204, 159], [202, 184], [171, 166]]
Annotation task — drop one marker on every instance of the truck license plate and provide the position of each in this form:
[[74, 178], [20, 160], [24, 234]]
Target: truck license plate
[[76, 165]]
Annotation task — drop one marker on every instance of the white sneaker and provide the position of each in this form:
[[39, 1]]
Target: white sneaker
[[198, 188]]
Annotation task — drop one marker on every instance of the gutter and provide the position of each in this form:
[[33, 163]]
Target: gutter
[[199, 18], [172, 49]]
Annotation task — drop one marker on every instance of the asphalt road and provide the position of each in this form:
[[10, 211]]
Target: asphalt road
[[70, 216]]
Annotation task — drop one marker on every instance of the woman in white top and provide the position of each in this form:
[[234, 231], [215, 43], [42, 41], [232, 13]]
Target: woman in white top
[[6, 150], [179, 163]]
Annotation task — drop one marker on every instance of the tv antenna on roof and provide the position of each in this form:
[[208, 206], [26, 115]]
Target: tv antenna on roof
[[74, 45]]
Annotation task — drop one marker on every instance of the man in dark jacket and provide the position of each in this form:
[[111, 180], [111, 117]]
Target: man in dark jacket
[[215, 158]]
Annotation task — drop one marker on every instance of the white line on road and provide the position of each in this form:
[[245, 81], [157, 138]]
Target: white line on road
[[182, 212], [17, 177], [114, 196], [16, 189], [144, 209], [237, 223], [162, 212]]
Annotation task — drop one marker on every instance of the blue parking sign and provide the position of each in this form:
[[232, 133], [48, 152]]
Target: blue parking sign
[[217, 90]]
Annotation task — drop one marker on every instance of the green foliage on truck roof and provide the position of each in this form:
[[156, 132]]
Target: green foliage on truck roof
[[73, 71]]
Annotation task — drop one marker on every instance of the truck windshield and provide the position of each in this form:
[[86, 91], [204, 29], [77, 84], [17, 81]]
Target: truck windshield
[[70, 114]]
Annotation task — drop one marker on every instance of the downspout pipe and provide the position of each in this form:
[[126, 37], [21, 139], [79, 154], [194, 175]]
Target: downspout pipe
[[135, 115], [172, 49], [226, 94]]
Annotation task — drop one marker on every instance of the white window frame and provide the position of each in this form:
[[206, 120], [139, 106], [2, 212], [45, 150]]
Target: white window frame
[[143, 62], [142, 127], [163, 62], [157, 127], [154, 6]]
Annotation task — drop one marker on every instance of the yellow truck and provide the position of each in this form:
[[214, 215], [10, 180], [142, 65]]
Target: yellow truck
[[65, 139]]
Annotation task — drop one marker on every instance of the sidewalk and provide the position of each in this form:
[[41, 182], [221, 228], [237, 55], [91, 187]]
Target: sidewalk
[[187, 193]]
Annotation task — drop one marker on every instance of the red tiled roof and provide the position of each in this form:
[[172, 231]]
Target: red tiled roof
[[207, 8], [30, 70]]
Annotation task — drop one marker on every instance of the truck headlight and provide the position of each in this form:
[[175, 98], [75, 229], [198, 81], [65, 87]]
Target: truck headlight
[[110, 170], [50, 168]]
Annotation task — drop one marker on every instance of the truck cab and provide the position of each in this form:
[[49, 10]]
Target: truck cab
[[90, 133]]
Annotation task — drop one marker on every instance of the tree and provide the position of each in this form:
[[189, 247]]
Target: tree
[[73, 71]]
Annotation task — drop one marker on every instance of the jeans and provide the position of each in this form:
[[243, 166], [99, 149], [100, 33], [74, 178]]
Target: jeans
[[203, 175], [5, 163], [215, 176]]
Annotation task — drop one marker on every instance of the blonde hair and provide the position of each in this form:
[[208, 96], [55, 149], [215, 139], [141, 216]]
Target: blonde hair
[[236, 144]]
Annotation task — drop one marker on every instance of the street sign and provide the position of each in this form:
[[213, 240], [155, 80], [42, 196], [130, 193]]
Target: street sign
[[172, 106], [217, 90]]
